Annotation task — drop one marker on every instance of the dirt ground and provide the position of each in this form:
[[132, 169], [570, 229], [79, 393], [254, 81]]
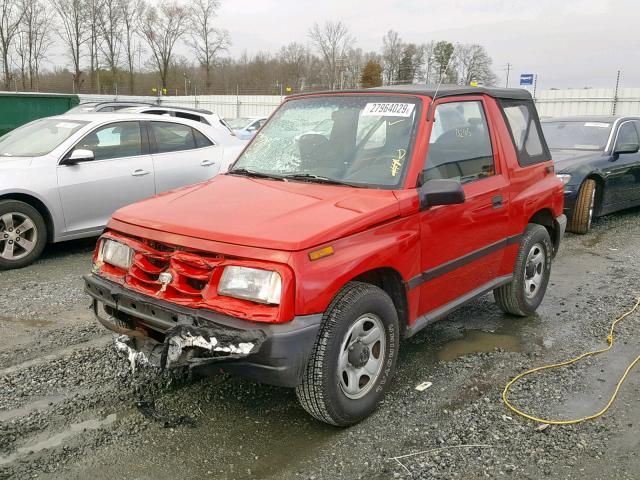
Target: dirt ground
[[68, 401]]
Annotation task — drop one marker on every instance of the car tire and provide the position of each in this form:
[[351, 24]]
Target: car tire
[[19, 248], [582, 214], [525, 292], [344, 380]]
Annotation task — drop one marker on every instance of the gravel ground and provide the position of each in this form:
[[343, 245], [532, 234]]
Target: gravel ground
[[68, 401]]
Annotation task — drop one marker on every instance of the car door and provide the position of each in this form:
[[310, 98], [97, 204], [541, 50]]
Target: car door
[[462, 245], [120, 173], [182, 155], [622, 172]]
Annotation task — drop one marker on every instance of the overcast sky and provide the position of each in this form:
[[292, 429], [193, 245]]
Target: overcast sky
[[569, 43]]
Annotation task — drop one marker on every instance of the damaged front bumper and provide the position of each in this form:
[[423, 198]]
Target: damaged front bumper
[[159, 333]]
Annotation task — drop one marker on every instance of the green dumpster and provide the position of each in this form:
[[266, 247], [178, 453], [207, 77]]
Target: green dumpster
[[19, 108]]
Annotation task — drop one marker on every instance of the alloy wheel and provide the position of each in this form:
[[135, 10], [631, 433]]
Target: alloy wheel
[[18, 236]]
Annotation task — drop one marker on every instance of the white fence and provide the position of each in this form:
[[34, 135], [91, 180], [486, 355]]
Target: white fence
[[550, 103], [227, 106]]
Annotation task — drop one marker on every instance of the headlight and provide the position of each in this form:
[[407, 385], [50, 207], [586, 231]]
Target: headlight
[[116, 254], [564, 178], [262, 286]]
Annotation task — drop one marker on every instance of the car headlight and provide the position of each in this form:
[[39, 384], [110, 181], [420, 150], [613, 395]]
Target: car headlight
[[116, 254], [564, 178], [257, 285]]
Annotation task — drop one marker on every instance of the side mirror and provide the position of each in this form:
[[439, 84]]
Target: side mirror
[[440, 192], [77, 156], [626, 148]]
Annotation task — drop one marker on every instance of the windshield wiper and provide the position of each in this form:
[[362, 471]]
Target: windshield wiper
[[318, 179], [252, 173]]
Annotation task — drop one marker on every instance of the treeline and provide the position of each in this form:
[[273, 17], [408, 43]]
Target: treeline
[[131, 47]]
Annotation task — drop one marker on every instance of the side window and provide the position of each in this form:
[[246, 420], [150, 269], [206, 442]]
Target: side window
[[627, 134], [115, 140], [460, 145], [522, 121], [172, 137], [158, 112], [201, 140], [188, 116]]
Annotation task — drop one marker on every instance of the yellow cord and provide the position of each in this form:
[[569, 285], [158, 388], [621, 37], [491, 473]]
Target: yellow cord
[[505, 392]]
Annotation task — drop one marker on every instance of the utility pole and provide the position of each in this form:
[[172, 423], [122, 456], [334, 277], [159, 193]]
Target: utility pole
[[615, 95], [508, 69]]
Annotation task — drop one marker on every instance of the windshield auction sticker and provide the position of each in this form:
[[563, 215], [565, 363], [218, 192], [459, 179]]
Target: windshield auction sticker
[[388, 109]]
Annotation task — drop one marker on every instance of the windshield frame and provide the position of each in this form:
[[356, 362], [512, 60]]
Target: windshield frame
[[602, 148], [382, 97]]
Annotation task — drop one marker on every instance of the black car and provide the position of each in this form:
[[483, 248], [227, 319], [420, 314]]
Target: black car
[[598, 161]]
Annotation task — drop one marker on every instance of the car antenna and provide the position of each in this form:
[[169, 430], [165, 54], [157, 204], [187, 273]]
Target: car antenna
[[444, 72]]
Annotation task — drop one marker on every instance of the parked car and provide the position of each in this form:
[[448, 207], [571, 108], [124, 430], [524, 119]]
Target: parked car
[[598, 161], [309, 260], [62, 177], [104, 107], [197, 115], [245, 127]]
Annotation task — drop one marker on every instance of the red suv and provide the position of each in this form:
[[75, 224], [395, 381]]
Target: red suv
[[352, 220]]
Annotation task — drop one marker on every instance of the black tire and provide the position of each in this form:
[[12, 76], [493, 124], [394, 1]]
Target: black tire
[[38, 234], [582, 213], [321, 393], [516, 297]]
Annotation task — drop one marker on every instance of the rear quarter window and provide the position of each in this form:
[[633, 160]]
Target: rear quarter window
[[522, 121]]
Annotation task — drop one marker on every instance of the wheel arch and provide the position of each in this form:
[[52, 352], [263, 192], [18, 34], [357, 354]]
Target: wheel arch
[[599, 191], [389, 280], [38, 205], [545, 218]]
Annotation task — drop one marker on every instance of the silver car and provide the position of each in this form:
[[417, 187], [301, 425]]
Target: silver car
[[62, 177]]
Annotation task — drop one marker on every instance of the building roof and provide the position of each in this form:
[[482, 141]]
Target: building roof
[[443, 91]]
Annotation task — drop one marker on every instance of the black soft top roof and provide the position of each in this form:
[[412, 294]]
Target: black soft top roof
[[443, 91]]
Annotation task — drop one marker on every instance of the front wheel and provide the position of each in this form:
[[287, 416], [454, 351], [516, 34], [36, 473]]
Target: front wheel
[[23, 234], [354, 357], [525, 292]]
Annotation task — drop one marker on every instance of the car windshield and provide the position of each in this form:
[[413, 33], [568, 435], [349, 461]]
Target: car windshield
[[238, 123], [575, 135], [38, 138], [364, 140]]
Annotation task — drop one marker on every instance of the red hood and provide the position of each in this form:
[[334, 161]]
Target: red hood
[[263, 213]]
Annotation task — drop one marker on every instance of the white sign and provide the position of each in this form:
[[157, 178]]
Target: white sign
[[388, 109]]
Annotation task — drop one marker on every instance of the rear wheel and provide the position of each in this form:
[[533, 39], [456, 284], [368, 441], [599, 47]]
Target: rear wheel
[[23, 234], [582, 214], [354, 357], [525, 292]]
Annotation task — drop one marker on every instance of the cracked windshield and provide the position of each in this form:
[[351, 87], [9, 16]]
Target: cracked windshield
[[353, 140]]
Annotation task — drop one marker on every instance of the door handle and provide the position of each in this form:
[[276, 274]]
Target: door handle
[[206, 163], [496, 202], [140, 173]]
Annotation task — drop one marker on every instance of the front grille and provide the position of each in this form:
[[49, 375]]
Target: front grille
[[191, 271]]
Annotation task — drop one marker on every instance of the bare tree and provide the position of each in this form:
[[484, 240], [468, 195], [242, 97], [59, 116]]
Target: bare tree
[[74, 33], [332, 41], [392, 50], [131, 13], [162, 27], [294, 59], [110, 25], [207, 41], [94, 14], [10, 18], [474, 64], [33, 41]]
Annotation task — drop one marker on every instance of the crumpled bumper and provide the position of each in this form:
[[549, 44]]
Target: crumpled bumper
[[158, 333]]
